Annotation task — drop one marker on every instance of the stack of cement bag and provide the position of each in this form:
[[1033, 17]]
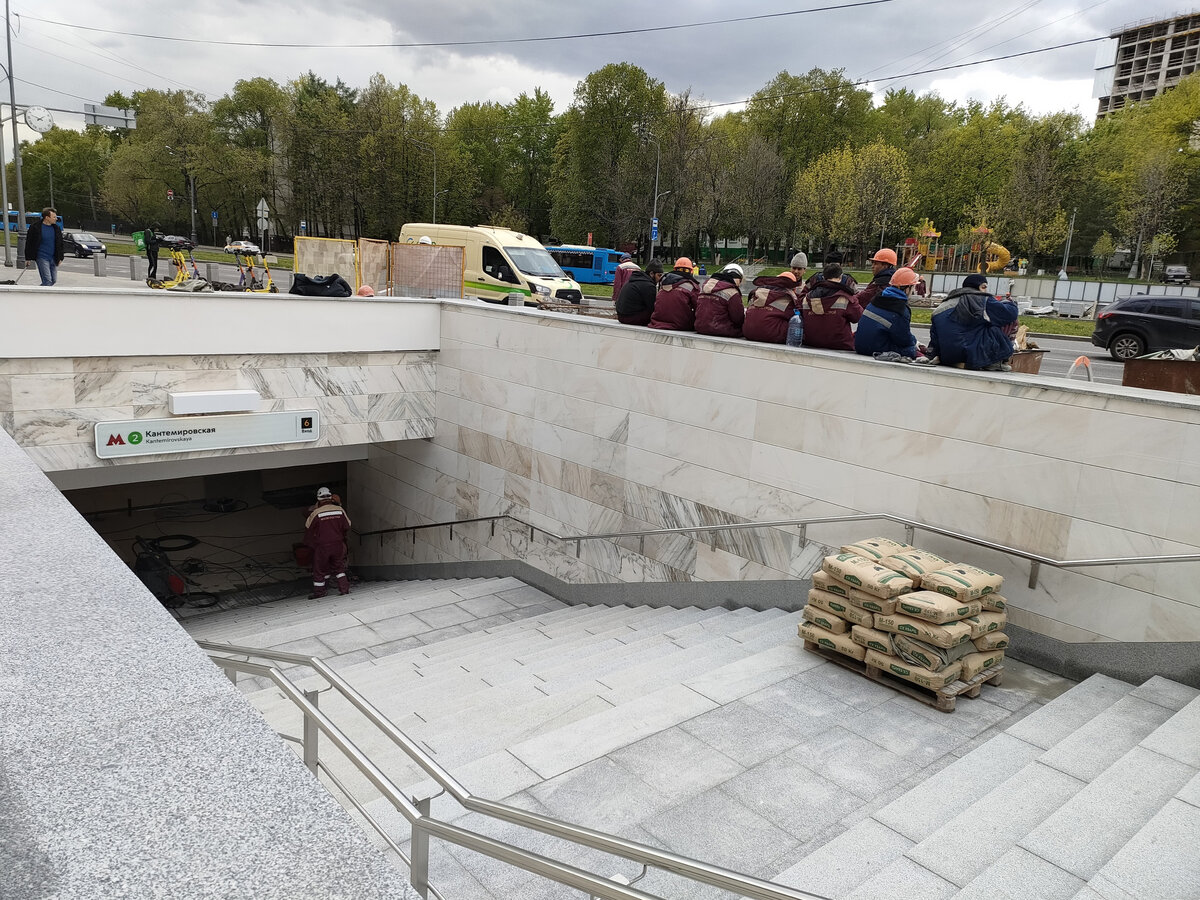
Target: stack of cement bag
[[907, 611]]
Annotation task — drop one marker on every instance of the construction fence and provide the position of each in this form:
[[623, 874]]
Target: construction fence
[[391, 269]]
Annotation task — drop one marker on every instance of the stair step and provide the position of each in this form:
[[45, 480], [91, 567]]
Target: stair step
[[1019, 874], [1097, 744], [1054, 721], [1157, 862]]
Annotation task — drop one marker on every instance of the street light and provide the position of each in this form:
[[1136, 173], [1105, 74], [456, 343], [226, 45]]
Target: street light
[[12, 96], [432, 152], [191, 180], [435, 196], [647, 135]]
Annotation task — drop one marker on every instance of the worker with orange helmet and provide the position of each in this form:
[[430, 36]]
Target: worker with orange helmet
[[675, 302], [771, 306], [883, 267], [886, 324]]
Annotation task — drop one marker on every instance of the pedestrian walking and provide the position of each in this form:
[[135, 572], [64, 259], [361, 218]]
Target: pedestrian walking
[[325, 532], [44, 245]]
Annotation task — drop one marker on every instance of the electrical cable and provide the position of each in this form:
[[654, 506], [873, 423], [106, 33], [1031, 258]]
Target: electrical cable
[[472, 43]]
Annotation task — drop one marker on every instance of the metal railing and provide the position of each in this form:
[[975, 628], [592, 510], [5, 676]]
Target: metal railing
[[417, 812], [911, 526]]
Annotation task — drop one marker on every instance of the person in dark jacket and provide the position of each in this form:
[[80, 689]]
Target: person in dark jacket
[[44, 246], [968, 328], [150, 239], [635, 304], [675, 303], [325, 532], [885, 326], [828, 310], [883, 267], [625, 268], [772, 305], [719, 308]]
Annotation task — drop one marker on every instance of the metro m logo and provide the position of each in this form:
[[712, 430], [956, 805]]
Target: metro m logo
[[115, 439]]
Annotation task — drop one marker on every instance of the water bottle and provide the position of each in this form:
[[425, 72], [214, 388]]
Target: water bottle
[[795, 332]]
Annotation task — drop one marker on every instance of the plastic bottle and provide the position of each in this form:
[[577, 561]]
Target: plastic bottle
[[795, 332]]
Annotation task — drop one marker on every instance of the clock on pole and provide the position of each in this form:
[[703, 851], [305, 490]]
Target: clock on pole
[[39, 119]]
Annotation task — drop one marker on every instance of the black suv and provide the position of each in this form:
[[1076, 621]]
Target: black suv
[[1147, 322]]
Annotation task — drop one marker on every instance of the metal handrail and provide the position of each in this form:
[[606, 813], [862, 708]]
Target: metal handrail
[[507, 853], [726, 879], [1036, 560]]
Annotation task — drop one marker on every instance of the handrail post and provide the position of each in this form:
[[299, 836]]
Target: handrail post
[[1035, 568], [910, 534], [418, 869], [311, 733], [803, 535]]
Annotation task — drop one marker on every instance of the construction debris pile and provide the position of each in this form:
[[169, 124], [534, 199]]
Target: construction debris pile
[[907, 612]]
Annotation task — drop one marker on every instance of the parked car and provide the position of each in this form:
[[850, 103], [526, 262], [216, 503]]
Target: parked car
[[1177, 275], [82, 244], [1147, 322], [244, 247]]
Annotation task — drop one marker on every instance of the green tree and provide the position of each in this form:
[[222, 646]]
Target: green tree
[[1030, 207], [822, 202]]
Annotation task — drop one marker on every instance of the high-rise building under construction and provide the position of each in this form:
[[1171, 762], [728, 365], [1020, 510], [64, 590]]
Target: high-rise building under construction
[[1147, 59]]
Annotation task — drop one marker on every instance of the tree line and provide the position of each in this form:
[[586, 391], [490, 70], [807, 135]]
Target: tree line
[[811, 161]]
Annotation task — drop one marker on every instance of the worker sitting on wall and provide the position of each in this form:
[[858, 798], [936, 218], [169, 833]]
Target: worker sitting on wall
[[968, 328], [325, 532]]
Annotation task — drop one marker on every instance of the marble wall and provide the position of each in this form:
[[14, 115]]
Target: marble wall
[[579, 426], [50, 404]]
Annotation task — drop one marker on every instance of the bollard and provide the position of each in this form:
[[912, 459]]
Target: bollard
[[133, 260], [100, 265], [210, 272]]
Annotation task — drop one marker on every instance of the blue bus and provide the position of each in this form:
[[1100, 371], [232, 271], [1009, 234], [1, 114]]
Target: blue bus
[[32, 217], [589, 265]]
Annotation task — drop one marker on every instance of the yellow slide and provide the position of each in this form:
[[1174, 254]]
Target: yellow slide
[[997, 258]]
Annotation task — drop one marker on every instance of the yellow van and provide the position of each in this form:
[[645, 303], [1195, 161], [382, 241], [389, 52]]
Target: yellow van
[[498, 262]]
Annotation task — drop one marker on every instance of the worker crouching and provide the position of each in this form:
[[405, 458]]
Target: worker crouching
[[325, 532]]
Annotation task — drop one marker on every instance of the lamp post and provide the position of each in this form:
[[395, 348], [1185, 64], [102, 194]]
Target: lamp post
[[433, 153], [435, 196], [191, 180], [646, 135], [12, 96], [1067, 249]]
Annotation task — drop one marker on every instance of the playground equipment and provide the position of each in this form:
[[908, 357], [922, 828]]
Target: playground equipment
[[979, 253]]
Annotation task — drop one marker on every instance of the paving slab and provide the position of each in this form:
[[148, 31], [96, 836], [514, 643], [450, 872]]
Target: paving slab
[[1160, 861], [1055, 721], [677, 764], [1097, 744], [842, 864], [1092, 826], [918, 740], [960, 784], [904, 880], [600, 794], [995, 823], [1190, 792], [753, 673], [852, 762], [1179, 736], [486, 605], [743, 733]]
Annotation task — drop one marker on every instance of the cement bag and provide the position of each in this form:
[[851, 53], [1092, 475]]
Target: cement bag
[[984, 622], [935, 659], [963, 582], [994, 602], [879, 641], [826, 620], [875, 549], [839, 643], [915, 674], [993, 640], [936, 608], [860, 572], [974, 663], [949, 635], [916, 564], [840, 607], [871, 603], [823, 581]]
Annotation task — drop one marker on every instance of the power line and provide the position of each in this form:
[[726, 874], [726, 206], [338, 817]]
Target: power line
[[472, 43]]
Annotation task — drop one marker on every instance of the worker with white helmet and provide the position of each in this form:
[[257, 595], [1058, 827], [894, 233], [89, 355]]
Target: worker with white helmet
[[425, 239], [719, 308], [325, 532]]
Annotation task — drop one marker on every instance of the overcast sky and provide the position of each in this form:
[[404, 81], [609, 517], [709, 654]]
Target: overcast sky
[[721, 63]]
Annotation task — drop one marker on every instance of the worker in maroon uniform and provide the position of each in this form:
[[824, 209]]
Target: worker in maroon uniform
[[325, 532]]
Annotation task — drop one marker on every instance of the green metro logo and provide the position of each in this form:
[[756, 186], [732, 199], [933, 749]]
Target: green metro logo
[[135, 437]]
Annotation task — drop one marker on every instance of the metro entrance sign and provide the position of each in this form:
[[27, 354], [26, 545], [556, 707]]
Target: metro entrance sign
[[187, 434]]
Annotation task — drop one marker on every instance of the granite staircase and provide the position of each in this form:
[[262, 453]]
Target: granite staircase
[[712, 733]]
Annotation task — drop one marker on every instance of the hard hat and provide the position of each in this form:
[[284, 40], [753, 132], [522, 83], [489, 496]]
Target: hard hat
[[800, 260], [683, 263], [735, 269], [904, 278], [426, 239], [366, 291], [788, 275], [324, 493], [885, 256]]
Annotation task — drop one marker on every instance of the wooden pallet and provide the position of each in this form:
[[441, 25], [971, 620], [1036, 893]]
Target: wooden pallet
[[942, 698]]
